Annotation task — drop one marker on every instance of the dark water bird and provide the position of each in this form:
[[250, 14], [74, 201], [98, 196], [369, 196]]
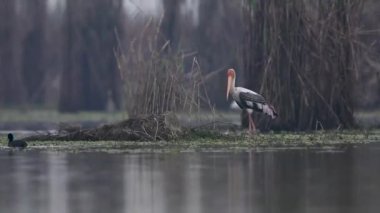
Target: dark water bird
[[16, 143], [248, 100]]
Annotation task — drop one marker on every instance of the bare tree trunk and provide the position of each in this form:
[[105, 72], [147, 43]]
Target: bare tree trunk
[[169, 23], [33, 71], [11, 88], [216, 26], [90, 72], [71, 91]]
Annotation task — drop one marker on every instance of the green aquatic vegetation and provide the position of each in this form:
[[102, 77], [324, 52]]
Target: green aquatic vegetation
[[216, 141]]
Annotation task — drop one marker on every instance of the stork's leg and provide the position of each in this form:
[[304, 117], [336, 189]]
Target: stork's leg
[[252, 127], [249, 122]]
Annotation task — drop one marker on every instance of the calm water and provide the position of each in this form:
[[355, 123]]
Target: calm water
[[272, 181]]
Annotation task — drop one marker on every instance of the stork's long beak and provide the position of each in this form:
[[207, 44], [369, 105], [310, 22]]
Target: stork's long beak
[[229, 83]]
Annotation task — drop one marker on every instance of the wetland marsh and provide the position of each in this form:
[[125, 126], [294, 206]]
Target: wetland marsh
[[223, 171], [46, 179]]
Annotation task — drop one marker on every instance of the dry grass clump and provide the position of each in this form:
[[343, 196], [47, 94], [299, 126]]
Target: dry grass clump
[[155, 78]]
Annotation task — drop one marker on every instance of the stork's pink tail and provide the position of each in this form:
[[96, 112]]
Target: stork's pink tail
[[270, 111]]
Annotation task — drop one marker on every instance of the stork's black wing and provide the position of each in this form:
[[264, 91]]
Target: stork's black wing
[[252, 97]]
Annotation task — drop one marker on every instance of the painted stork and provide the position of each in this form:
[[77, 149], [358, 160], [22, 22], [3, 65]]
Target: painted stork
[[248, 100]]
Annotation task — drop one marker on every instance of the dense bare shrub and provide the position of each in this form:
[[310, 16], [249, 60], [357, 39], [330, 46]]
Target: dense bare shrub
[[302, 55]]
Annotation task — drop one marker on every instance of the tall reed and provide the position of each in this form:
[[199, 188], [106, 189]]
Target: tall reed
[[301, 55]]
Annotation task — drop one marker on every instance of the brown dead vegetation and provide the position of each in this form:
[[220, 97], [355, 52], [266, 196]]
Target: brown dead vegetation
[[148, 128]]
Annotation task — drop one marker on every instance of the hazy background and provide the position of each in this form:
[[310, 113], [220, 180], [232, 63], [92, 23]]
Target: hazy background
[[62, 54], [38, 34]]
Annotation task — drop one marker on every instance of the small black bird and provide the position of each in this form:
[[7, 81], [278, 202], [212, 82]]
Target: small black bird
[[16, 143]]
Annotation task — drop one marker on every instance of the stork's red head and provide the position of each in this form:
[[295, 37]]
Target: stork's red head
[[231, 75]]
